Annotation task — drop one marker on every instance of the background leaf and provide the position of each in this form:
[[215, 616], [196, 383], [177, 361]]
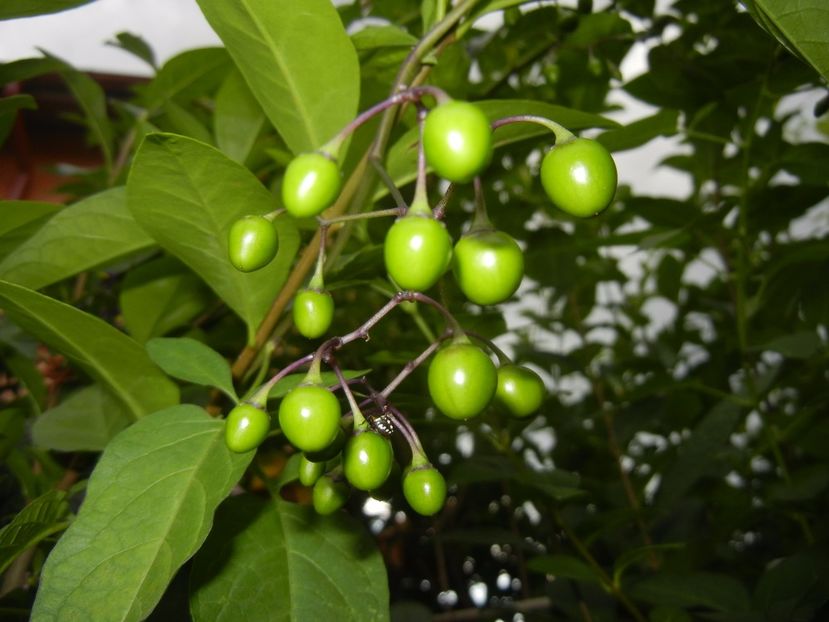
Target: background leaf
[[238, 118], [88, 234], [187, 195], [699, 589], [297, 60], [192, 361], [19, 220], [41, 518], [149, 506], [103, 352], [86, 420], [264, 561], [13, 9]]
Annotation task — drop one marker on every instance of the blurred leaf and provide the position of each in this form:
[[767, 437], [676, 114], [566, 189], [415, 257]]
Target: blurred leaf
[[297, 60], [8, 111], [187, 195], [806, 483], [19, 220], [161, 295], [801, 345], [12, 427], [277, 561], [238, 118], [103, 352], [13, 9], [802, 28], [193, 361], [148, 508], [187, 75], [563, 566], [719, 592], [88, 234], [787, 583], [179, 120], [636, 134], [40, 519], [556, 484], [373, 37], [86, 420], [135, 45], [633, 556]]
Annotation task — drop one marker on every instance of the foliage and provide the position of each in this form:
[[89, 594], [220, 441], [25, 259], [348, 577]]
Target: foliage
[[676, 468]]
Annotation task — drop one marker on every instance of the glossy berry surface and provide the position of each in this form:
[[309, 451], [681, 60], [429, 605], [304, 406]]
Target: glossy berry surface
[[313, 312], [329, 495], [311, 184], [252, 243], [425, 490], [367, 460], [331, 451], [488, 266], [310, 472], [246, 427], [462, 380], [309, 416], [520, 390], [579, 176], [457, 140], [417, 252]]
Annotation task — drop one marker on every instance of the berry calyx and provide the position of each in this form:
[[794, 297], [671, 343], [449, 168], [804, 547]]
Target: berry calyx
[[246, 427], [311, 184], [252, 243], [462, 380], [457, 140], [329, 495], [488, 266], [367, 460], [425, 489], [309, 416], [417, 252], [520, 390], [579, 176], [313, 311]]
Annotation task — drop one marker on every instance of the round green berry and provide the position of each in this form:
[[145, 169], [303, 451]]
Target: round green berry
[[488, 266], [417, 252], [311, 184], [246, 427], [309, 416], [313, 312], [520, 390], [579, 176], [252, 243], [462, 380], [424, 489], [457, 140], [367, 460]]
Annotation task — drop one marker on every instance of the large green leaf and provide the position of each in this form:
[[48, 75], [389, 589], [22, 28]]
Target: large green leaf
[[187, 75], [148, 508], [102, 351], [297, 59], [38, 520], [720, 592], [187, 195], [88, 234], [238, 118], [278, 561], [192, 361], [401, 162], [803, 27], [85, 421], [12, 9], [161, 295]]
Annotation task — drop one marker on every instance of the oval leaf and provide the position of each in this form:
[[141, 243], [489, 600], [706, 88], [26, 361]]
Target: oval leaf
[[187, 195], [102, 351], [38, 520], [279, 561], [297, 59], [192, 361], [148, 508]]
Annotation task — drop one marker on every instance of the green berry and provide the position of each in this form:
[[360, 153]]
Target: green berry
[[457, 140], [424, 489], [417, 252], [488, 266], [313, 312], [579, 176], [309, 416], [367, 460], [246, 427], [462, 380], [329, 495], [311, 184], [252, 243], [520, 390], [310, 472]]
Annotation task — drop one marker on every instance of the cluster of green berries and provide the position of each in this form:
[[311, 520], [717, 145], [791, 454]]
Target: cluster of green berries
[[578, 175]]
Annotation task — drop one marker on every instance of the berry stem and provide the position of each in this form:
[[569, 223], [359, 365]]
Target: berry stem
[[420, 202], [440, 207], [503, 359], [389, 183], [317, 281], [412, 365], [381, 213], [260, 397], [359, 419], [408, 432], [562, 134], [480, 220]]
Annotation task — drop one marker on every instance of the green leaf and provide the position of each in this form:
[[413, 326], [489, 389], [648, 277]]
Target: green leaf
[[13, 9], [19, 220], [373, 37], [88, 234], [187, 195], [12, 427], [186, 76], [803, 27], [181, 121], [801, 345], [556, 484], [85, 421], [135, 45], [297, 60], [401, 162], [696, 589], [238, 118], [636, 134], [697, 457], [161, 295], [41, 518], [564, 566], [105, 353], [628, 558], [148, 508], [284, 385], [278, 561], [193, 361]]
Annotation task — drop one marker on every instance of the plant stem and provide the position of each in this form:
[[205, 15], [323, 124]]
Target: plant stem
[[409, 367], [562, 133], [381, 213], [359, 419]]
